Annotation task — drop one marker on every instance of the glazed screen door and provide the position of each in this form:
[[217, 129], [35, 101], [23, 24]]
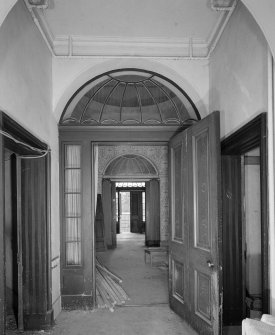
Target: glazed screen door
[[195, 237]]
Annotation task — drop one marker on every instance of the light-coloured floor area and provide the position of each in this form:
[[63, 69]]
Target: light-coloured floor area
[[146, 313]]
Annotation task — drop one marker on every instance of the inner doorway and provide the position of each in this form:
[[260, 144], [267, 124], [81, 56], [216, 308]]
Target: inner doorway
[[245, 223], [130, 207], [25, 172]]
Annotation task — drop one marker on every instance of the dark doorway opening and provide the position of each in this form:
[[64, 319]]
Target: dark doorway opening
[[25, 283], [130, 208], [11, 250], [245, 223]]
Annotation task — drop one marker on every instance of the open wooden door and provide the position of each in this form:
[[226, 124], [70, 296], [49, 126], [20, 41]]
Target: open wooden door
[[33, 250], [195, 239]]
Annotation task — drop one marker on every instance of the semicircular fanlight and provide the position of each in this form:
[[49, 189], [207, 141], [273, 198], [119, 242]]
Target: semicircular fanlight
[[129, 98], [130, 165]]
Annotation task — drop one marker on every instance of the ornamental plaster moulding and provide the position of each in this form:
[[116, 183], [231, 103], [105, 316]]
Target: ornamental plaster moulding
[[39, 3], [82, 46]]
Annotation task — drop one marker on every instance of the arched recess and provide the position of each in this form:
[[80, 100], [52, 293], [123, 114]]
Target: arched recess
[[129, 97], [83, 74], [131, 167]]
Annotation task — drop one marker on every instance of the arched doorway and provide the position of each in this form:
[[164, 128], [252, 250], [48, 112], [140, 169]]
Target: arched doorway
[[133, 178], [129, 107]]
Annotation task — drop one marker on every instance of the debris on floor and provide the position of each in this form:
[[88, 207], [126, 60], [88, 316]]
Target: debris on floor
[[109, 293]]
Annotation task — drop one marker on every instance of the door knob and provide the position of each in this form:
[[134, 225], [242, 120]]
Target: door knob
[[210, 264]]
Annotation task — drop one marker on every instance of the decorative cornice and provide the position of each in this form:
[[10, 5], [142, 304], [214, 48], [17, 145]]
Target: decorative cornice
[[87, 46], [39, 3]]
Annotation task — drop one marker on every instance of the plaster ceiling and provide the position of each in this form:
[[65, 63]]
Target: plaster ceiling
[[178, 28]]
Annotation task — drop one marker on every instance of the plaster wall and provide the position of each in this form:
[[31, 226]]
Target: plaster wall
[[69, 74], [26, 96], [5, 7], [158, 155], [241, 86], [238, 72], [253, 228]]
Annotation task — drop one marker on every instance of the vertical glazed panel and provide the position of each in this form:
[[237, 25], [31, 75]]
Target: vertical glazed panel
[[72, 206], [201, 190]]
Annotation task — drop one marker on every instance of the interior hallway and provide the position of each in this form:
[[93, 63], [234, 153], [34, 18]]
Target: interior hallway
[[146, 313], [145, 285]]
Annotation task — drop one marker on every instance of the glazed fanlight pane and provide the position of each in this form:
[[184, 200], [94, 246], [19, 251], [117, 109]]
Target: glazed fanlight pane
[[73, 253], [73, 229], [129, 98], [72, 180], [72, 156], [72, 205]]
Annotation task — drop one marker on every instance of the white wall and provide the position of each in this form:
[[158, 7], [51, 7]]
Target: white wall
[[26, 96], [241, 86], [5, 7], [238, 72], [253, 229]]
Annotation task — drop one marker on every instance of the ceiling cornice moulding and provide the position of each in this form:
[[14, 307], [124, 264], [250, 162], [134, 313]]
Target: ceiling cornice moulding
[[77, 46]]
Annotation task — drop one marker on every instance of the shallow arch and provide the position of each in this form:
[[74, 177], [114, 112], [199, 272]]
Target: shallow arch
[[130, 166], [140, 64], [129, 97]]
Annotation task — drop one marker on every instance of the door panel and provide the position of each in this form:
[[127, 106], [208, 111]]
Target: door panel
[[195, 200], [33, 244], [178, 245], [107, 212], [136, 211], [152, 229], [113, 214], [233, 312]]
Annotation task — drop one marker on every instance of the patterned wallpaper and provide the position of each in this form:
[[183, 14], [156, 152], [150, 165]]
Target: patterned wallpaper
[[158, 155]]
